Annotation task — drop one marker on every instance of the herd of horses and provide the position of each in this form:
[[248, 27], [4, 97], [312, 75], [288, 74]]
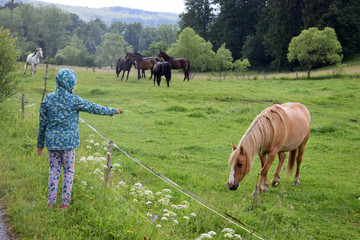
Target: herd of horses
[[276, 130], [160, 65]]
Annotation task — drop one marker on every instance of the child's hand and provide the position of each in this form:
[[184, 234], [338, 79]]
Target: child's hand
[[118, 111], [39, 151]]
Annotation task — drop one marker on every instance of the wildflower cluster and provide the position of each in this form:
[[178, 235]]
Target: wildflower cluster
[[226, 233]]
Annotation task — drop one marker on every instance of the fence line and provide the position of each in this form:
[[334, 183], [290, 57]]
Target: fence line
[[191, 195]]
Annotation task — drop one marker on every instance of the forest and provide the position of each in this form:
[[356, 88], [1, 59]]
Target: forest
[[259, 31]]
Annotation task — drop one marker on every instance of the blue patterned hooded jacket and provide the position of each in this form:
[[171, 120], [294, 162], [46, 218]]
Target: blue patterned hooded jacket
[[59, 114]]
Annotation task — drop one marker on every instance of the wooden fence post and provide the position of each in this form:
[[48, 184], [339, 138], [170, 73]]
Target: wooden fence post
[[107, 171], [23, 104]]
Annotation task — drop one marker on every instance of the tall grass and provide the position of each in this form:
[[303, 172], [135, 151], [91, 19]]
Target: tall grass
[[185, 133]]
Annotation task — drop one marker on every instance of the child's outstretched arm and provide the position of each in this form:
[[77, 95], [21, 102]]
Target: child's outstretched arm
[[87, 106]]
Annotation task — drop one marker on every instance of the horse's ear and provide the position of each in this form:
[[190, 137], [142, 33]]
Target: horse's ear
[[233, 146], [241, 149]]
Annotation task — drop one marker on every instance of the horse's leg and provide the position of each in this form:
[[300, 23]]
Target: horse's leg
[[26, 65], [152, 72], [301, 150], [32, 69], [266, 183], [127, 75], [265, 169], [35, 67], [139, 73], [276, 179], [123, 75]]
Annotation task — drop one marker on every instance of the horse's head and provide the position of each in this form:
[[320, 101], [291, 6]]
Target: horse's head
[[39, 50], [238, 163], [161, 54]]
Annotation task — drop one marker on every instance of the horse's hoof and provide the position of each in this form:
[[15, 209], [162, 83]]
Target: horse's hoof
[[296, 181], [275, 183]]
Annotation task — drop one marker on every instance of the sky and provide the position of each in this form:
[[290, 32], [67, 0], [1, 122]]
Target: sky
[[173, 6]]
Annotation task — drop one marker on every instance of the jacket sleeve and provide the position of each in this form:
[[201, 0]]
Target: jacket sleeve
[[86, 106], [43, 121]]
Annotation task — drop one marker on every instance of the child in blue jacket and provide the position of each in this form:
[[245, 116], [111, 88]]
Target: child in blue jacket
[[59, 131]]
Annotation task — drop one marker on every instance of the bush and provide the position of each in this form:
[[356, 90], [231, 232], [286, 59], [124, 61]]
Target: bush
[[8, 56]]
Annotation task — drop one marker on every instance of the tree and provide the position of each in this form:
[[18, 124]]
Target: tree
[[194, 48], [314, 47], [242, 65], [284, 22], [198, 16], [223, 59], [168, 33], [132, 34], [113, 46], [8, 57]]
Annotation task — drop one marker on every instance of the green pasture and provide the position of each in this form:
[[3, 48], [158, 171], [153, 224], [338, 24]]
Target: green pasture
[[185, 133]]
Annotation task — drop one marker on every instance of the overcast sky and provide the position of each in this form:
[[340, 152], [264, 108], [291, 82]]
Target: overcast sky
[[173, 6]]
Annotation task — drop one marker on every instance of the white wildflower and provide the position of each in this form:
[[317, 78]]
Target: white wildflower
[[148, 192], [149, 214], [158, 225], [105, 166], [212, 233], [122, 183], [205, 235], [186, 217], [116, 165], [148, 203], [97, 144], [193, 214], [228, 230], [173, 206], [108, 153], [237, 236], [175, 221], [165, 210], [166, 190], [186, 203], [228, 235], [88, 147], [164, 218], [164, 201], [98, 170], [166, 215], [168, 196], [105, 148], [102, 158], [83, 159], [138, 185], [135, 200], [158, 193], [91, 141], [83, 183], [90, 158], [97, 159]]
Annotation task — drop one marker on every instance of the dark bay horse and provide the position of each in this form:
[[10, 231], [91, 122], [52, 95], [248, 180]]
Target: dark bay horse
[[177, 63], [124, 64], [142, 62], [276, 130], [162, 69]]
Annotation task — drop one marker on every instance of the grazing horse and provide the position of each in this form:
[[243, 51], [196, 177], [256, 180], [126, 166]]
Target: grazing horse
[[124, 64], [143, 63], [276, 130], [162, 69], [33, 60], [177, 63]]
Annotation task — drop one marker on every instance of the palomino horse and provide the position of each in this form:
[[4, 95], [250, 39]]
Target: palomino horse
[[124, 64], [33, 60], [177, 63], [143, 63], [276, 130], [162, 69]]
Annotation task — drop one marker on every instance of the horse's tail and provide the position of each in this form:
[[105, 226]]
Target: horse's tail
[[291, 163]]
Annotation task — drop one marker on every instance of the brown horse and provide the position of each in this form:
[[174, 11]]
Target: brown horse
[[177, 63], [142, 63], [276, 130]]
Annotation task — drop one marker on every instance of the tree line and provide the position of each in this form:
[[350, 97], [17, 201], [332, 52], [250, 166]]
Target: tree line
[[261, 30], [66, 39]]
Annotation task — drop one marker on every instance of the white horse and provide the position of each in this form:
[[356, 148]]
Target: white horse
[[33, 59]]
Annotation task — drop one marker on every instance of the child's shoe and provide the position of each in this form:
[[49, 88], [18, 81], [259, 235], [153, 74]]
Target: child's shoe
[[63, 206]]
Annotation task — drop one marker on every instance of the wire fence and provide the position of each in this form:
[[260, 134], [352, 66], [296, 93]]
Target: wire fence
[[199, 200]]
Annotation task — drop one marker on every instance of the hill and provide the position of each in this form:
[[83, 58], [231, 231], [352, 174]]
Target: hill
[[112, 14]]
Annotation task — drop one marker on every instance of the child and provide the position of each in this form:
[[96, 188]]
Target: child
[[59, 131]]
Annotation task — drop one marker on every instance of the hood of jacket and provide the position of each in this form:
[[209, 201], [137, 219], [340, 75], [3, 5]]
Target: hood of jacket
[[66, 80]]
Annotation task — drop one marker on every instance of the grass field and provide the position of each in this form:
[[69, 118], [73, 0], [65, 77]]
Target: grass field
[[185, 133]]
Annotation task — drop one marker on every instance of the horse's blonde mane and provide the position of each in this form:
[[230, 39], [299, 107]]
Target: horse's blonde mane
[[258, 135]]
